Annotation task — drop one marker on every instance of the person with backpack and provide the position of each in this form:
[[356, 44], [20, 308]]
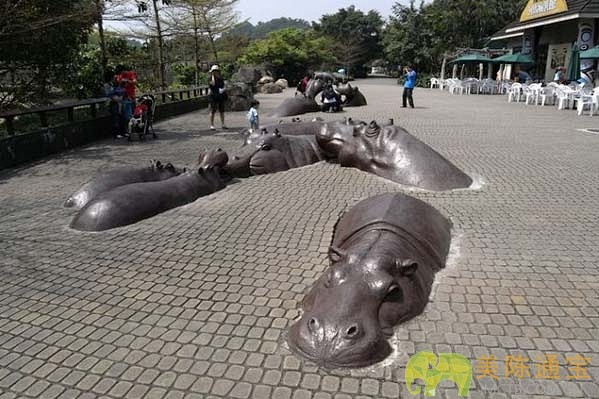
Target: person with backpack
[[217, 96], [302, 85]]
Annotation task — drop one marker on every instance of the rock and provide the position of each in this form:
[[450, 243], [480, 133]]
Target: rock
[[270, 88], [265, 79], [248, 75], [283, 83], [240, 96]]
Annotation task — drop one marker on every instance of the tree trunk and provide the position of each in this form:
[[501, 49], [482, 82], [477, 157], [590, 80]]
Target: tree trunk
[[213, 46], [103, 56], [196, 46], [161, 69]]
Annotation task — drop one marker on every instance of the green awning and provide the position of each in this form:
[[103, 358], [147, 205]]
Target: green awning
[[573, 69], [471, 59], [590, 54], [518, 58]]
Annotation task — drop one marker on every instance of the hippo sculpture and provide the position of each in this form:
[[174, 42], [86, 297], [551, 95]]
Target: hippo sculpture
[[384, 256], [294, 128], [119, 177], [351, 96], [390, 152], [273, 152], [295, 106], [131, 203]]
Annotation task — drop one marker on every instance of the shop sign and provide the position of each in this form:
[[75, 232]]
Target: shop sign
[[542, 8]]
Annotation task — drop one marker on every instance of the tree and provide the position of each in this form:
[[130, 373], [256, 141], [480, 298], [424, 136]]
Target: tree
[[38, 39], [290, 53], [357, 35]]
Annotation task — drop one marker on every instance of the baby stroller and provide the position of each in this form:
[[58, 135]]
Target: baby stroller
[[143, 117]]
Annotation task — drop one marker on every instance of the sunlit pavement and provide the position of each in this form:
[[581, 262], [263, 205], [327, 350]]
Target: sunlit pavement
[[195, 302]]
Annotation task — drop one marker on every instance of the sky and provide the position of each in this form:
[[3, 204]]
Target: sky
[[310, 10]]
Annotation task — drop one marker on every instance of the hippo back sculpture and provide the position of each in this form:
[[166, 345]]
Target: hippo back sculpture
[[390, 152], [286, 129], [119, 177], [295, 106], [131, 203], [384, 256]]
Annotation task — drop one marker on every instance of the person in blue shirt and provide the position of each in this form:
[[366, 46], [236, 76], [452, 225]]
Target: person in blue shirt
[[408, 86]]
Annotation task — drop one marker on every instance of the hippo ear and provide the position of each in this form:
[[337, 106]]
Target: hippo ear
[[264, 131], [406, 267], [169, 166], [277, 133], [336, 254]]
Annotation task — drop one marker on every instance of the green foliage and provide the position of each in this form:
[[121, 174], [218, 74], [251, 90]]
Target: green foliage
[[423, 35], [185, 75], [290, 53], [357, 36], [42, 37], [262, 29]]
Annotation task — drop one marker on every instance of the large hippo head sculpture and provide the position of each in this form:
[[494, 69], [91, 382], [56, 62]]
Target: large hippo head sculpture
[[384, 255], [390, 152]]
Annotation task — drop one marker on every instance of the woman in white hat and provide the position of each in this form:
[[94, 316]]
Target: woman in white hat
[[217, 96]]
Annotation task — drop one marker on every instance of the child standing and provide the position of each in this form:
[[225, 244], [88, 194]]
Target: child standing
[[253, 117]]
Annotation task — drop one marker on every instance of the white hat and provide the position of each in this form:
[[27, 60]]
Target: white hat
[[214, 68]]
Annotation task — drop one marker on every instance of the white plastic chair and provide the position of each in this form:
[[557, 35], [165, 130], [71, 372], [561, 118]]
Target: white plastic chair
[[564, 96], [547, 93], [591, 100], [514, 92], [456, 86], [435, 83], [532, 92]]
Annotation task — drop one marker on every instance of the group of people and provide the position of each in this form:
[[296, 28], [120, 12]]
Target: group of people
[[121, 91]]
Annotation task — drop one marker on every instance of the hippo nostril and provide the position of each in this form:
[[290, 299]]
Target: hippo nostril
[[219, 150], [313, 325], [236, 158], [352, 331]]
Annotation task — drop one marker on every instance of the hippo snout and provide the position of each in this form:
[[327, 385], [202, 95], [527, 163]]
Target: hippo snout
[[335, 345]]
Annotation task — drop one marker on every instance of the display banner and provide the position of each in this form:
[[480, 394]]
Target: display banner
[[542, 8]]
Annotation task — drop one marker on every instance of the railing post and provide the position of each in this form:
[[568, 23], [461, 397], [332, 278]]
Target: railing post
[[10, 128], [43, 118], [188, 94], [181, 95], [70, 114], [163, 95]]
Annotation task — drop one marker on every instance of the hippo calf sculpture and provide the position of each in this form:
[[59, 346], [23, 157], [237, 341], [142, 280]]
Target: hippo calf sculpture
[[131, 203], [119, 177], [351, 96], [384, 256], [268, 152], [390, 152], [296, 128]]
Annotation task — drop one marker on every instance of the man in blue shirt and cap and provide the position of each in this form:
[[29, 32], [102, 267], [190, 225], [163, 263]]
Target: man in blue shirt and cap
[[408, 86]]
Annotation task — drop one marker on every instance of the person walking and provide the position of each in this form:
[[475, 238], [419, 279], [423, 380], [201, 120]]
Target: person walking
[[408, 86], [253, 117], [217, 96]]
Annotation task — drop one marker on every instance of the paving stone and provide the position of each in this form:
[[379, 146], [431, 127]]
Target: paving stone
[[195, 302]]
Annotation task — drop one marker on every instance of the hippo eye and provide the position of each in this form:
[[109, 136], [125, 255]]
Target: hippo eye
[[394, 294], [265, 147]]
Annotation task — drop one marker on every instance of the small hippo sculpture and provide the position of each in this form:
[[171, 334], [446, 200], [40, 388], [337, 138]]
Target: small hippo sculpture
[[384, 256], [131, 203], [351, 96], [273, 152], [295, 128], [390, 152], [120, 177]]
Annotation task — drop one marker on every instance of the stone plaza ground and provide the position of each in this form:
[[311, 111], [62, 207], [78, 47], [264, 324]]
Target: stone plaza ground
[[195, 302]]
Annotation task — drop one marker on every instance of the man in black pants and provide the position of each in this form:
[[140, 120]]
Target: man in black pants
[[408, 86]]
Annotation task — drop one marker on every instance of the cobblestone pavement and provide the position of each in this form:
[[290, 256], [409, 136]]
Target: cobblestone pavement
[[194, 303]]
